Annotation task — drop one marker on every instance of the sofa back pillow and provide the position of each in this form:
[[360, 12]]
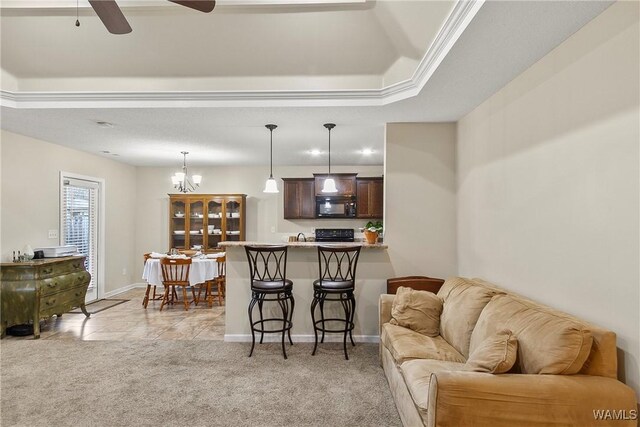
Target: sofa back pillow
[[417, 310], [547, 343], [463, 302], [495, 355]]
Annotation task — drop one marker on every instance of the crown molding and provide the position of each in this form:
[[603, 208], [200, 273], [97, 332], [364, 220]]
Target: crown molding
[[462, 14]]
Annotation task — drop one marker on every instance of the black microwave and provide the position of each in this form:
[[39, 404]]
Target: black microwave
[[335, 206]]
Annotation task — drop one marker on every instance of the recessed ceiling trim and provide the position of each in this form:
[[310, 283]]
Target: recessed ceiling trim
[[457, 21]]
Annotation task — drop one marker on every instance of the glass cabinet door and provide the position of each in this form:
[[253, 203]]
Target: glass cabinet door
[[214, 223], [177, 221], [233, 219], [196, 224]]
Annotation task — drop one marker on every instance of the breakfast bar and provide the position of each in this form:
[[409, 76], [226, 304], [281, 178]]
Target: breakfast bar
[[302, 268]]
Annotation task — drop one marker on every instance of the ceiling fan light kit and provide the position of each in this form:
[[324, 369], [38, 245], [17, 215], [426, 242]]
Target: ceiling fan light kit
[[114, 20]]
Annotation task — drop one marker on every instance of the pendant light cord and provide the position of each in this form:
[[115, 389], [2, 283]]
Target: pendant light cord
[[329, 151]]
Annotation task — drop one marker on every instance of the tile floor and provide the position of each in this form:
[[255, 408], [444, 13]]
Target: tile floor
[[130, 321]]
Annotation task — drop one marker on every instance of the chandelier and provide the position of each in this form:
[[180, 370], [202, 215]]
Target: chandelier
[[181, 181]]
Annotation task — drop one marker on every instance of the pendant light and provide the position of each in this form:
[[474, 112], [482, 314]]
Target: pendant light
[[329, 183], [271, 186]]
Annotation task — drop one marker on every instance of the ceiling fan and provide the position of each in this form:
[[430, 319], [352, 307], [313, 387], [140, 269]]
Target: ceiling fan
[[113, 18]]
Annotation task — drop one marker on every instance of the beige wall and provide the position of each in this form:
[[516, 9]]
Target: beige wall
[[264, 211], [548, 181], [420, 198], [30, 200]]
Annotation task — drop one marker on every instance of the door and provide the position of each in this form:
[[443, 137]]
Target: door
[[79, 224]]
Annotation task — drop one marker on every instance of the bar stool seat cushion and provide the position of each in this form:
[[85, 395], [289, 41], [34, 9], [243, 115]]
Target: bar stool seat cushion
[[271, 286], [333, 285]]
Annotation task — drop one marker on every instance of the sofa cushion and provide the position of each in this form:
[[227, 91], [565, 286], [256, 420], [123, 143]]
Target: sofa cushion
[[495, 355], [405, 344], [417, 376], [463, 302], [548, 343], [417, 310]]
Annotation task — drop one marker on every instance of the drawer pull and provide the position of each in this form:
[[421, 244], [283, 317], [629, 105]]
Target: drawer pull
[[47, 270], [52, 284], [78, 293], [51, 302], [76, 265]]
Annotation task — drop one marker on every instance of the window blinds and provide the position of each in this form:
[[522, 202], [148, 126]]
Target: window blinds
[[80, 221]]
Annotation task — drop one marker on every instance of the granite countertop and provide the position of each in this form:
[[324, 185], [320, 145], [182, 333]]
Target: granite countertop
[[36, 262], [364, 245]]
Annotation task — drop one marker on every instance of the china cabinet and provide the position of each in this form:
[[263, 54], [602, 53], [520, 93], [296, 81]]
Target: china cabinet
[[201, 221]]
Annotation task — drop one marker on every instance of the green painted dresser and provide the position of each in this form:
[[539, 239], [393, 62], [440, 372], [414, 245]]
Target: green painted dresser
[[38, 289]]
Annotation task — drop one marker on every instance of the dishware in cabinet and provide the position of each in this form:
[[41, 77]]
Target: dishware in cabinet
[[215, 219], [234, 218], [177, 224]]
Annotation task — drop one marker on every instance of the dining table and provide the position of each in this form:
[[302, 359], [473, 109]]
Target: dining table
[[202, 270]]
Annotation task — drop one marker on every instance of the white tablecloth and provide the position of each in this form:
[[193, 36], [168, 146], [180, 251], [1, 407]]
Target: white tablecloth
[[201, 271]]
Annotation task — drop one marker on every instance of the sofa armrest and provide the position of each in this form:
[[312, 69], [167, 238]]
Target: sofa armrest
[[384, 310], [471, 398]]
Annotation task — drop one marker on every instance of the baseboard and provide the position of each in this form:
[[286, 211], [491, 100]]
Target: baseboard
[[123, 289], [301, 338]]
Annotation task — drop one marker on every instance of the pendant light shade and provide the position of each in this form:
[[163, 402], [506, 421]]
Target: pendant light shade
[[329, 183], [271, 186]]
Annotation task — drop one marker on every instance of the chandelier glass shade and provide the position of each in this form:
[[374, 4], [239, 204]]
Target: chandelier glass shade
[[181, 180]]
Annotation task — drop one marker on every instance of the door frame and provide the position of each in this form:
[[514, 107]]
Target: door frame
[[101, 223]]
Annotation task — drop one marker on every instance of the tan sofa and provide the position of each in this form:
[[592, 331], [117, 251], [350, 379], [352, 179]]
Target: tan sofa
[[565, 368]]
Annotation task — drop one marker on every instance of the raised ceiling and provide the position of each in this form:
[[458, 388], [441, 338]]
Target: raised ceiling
[[454, 64]]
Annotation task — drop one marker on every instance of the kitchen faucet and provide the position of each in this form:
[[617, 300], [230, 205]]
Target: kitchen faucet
[[298, 237]]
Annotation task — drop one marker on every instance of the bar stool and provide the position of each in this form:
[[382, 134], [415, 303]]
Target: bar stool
[[337, 266], [268, 272]]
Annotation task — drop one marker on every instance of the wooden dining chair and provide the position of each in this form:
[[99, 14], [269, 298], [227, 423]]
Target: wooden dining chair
[[150, 286], [175, 273], [219, 283]]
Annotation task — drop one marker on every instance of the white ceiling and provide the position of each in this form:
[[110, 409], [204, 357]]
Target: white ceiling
[[502, 40]]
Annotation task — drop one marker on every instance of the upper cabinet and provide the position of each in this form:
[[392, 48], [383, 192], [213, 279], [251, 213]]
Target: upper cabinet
[[204, 220], [299, 198], [300, 195], [345, 183], [369, 201]]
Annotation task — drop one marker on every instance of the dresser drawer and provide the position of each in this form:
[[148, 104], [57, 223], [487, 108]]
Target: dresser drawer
[[61, 283], [63, 301], [67, 266]]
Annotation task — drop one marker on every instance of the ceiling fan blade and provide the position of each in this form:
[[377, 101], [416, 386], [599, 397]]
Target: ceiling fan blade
[[205, 6], [111, 16]]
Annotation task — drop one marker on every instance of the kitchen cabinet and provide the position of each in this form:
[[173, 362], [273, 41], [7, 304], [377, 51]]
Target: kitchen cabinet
[[206, 219], [369, 200], [299, 198], [345, 183]]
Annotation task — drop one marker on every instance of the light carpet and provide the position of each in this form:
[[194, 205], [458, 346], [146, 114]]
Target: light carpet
[[191, 383]]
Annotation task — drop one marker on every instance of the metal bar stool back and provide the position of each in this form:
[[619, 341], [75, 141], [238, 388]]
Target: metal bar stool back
[[337, 272], [268, 272]]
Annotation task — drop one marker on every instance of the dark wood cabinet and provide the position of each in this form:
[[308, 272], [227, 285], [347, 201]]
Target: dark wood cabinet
[[345, 183], [299, 198], [369, 201]]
